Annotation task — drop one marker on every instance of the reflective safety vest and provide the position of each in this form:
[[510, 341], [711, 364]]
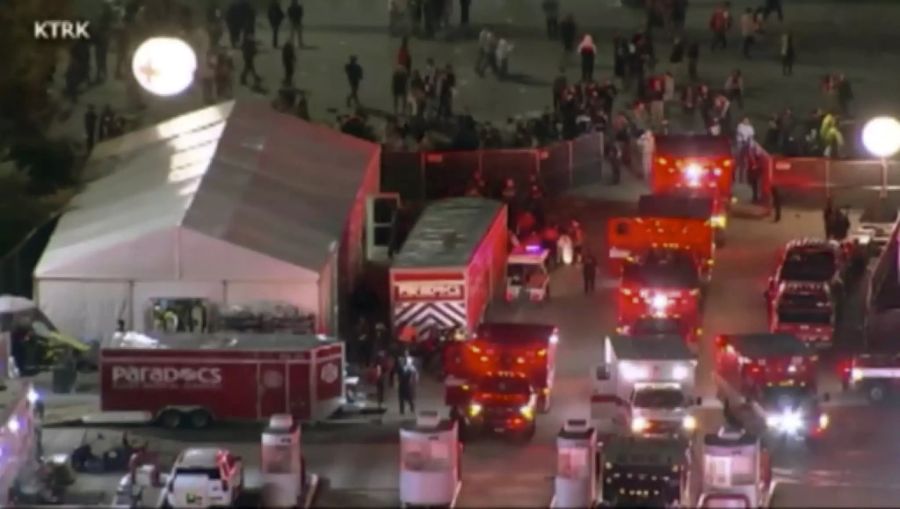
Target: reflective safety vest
[[170, 318]]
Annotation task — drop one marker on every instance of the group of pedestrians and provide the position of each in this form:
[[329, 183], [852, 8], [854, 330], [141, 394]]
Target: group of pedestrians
[[386, 362]]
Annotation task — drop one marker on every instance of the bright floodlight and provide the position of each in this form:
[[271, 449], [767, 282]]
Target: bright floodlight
[[881, 136], [164, 66]]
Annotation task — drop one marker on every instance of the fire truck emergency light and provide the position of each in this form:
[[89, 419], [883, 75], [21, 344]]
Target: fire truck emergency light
[[533, 248], [693, 173], [554, 339], [13, 425], [659, 303]]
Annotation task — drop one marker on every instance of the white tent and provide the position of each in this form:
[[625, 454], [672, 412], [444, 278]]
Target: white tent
[[234, 203]]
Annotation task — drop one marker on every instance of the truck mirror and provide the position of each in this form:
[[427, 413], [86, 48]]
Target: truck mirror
[[621, 228]]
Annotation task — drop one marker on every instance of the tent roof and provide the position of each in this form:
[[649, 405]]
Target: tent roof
[[238, 172]]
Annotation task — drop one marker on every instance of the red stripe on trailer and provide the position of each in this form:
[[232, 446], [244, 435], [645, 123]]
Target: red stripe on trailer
[[409, 275]]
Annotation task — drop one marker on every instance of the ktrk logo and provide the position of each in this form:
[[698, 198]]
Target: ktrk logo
[[165, 375], [61, 30]]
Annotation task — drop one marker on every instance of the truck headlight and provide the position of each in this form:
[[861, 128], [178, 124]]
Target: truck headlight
[[718, 221], [639, 425], [475, 409], [527, 411], [824, 421], [788, 422], [856, 374], [689, 423], [864, 240]]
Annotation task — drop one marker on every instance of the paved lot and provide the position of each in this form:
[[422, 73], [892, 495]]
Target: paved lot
[[856, 465], [829, 38]]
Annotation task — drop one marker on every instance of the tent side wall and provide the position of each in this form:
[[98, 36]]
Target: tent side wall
[[353, 241], [84, 308]]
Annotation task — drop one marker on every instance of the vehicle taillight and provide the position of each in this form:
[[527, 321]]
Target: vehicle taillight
[[475, 348], [484, 358], [662, 161], [626, 291], [726, 163], [542, 352], [520, 360]]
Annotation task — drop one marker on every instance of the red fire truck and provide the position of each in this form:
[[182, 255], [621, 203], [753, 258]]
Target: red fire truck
[[684, 204], [193, 380], [805, 310], [663, 283], [527, 349], [699, 163], [451, 266], [628, 238], [748, 363]]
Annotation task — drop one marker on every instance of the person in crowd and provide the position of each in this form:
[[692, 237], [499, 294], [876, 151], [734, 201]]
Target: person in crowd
[[844, 94], [568, 31], [399, 89], [249, 50], [720, 24], [734, 87], [748, 31], [276, 18], [787, 53], [485, 43], [295, 18], [502, 52], [774, 6], [464, 8], [288, 62], [588, 52], [589, 273], [404, 57], [354, 73], [693, 57], [407, 378], [551, 16], [559, 87]]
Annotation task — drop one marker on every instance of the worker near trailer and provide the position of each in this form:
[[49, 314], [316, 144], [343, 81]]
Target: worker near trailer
[[589, 273], [407, 377]]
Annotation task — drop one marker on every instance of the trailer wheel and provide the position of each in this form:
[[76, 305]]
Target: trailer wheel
[[171, 419], [199, 419], [877, 392]]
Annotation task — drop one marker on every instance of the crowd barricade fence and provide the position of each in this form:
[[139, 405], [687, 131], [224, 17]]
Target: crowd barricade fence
[[424, 176]]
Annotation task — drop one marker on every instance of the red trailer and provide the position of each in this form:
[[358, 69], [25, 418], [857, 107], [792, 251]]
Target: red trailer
[[451, 266], [193, 380]]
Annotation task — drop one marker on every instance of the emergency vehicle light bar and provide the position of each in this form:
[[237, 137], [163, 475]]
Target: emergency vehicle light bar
[[857, 374]]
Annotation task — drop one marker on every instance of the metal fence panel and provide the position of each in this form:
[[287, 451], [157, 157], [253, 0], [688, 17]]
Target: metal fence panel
[[518, 165], [556, 168], [401, 172], [449, 173], [587, 159]]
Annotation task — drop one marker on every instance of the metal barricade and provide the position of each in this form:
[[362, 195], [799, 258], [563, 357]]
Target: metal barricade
[[519, 165], [556, 167], [401, 173], [423, 176], [449, 174], [810, 180], [587, 159]]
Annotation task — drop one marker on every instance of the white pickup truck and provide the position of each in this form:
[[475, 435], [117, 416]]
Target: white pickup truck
[[204, 477]]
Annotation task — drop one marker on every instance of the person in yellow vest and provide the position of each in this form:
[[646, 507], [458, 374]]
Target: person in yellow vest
[[170, 320], [832, 139]]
